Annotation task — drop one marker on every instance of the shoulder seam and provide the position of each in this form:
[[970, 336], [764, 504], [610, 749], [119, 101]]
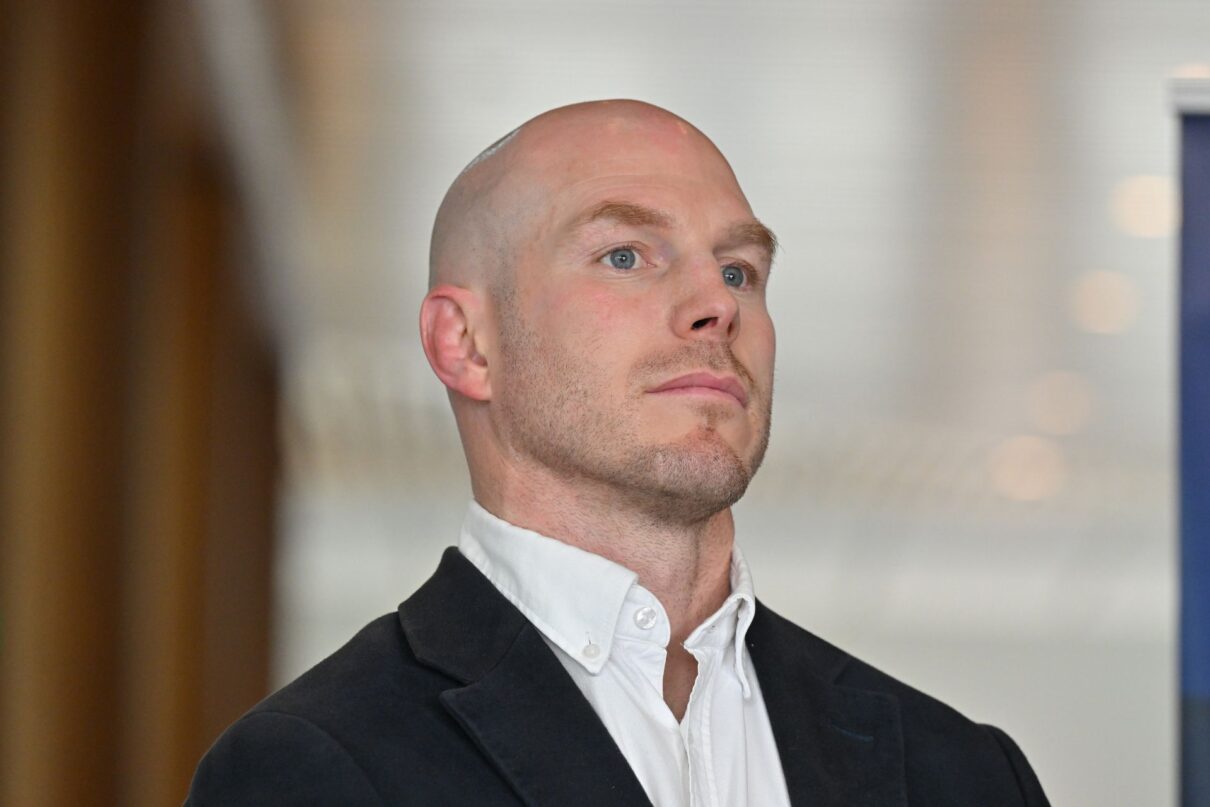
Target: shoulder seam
[[999, 736], [278, 713]]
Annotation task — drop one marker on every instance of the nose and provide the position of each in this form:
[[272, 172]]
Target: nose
[[707, 308]]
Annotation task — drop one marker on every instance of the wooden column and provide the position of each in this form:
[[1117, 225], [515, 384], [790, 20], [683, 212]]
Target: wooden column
[[137, 416], [68, 177], [203, 435]]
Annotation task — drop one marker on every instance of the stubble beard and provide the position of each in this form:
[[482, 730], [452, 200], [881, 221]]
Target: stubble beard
[[554, 412]]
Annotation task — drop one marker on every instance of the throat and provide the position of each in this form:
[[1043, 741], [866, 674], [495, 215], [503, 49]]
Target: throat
[[680, 674]]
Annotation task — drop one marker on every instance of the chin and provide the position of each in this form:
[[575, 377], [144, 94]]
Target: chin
[[698, 477]]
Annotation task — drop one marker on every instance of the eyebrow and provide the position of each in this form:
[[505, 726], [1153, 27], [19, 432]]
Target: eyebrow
[[753, 232], [627, 213], [741, 234]]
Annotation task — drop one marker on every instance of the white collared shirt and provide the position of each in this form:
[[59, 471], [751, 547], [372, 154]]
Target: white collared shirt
[[611, 635]]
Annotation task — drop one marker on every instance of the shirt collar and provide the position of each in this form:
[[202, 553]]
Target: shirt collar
[[576, 598], [733, 618]]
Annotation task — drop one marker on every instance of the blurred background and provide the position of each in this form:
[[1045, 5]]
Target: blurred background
[[223, 450]]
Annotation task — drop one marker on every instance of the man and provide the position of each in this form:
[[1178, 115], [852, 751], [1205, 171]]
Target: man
[[597, 312]]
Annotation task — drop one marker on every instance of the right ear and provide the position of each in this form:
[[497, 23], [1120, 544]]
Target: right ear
[[449, 316]]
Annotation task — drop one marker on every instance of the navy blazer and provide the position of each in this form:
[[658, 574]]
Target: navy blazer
[[457, 700]]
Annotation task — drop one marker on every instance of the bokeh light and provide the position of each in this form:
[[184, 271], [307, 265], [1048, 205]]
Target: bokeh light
[[1104, 302], [1145, 206], [1028, 468]]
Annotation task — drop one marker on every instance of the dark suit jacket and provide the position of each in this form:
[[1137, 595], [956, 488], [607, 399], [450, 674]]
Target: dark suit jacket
[[457, 700]]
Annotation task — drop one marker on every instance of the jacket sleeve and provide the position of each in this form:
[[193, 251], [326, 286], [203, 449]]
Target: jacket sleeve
[[1027, 780], [279, 760]]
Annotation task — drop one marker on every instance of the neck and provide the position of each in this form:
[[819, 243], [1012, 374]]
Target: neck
[[686, 565]]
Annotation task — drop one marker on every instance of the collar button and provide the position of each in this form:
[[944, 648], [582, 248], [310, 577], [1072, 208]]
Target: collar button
[[646, 617]]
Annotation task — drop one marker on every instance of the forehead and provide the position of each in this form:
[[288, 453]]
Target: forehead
[[689, 203], [687, 191]]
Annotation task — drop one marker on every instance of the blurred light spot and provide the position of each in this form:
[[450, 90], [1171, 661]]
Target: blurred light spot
[[1059, 402], [1104, 302], [1027, 468], [1145, 206], [1192, 70]]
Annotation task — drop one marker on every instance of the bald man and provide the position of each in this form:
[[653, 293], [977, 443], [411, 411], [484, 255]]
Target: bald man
[[597, 312]]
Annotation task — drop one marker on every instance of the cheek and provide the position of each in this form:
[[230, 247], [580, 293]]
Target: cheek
[[757, 350], [759, 336], [599, 303], [594, 317]]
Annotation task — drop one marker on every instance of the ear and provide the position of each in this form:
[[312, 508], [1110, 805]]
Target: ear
[[449, 316]]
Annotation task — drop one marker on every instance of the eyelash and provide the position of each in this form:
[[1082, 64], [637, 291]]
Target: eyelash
[[635, 248], [755, 280]]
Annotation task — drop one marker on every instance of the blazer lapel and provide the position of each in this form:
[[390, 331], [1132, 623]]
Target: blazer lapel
[[839, 747], [513, 697]]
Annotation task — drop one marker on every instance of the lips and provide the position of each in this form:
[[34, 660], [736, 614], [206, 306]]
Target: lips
[[697, 381]]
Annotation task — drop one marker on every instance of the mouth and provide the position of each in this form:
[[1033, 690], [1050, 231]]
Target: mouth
[[706, 384]]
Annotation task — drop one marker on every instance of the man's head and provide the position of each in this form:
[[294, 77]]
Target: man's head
[[597, 311]]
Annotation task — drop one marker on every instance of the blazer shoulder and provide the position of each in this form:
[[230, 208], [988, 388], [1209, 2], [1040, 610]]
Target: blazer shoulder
[[291, 747], [1027, 780], [943, 744], [371, 661], [270, 758], [922, 714], [944, 750], [349, 723], [365, 723]]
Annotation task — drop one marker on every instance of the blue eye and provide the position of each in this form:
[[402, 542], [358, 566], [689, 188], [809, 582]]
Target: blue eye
[[622, 258], [734, 275]]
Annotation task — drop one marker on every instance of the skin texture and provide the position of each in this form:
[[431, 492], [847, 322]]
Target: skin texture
[[594, 254]]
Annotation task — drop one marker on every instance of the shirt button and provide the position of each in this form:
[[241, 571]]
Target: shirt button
[[591, 650], [646, 617]]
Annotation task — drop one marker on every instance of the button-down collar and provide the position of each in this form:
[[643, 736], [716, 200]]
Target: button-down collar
[[581, 601]]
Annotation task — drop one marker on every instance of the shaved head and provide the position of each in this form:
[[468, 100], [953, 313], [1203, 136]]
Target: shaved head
[[579, 265], [501, 197]]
